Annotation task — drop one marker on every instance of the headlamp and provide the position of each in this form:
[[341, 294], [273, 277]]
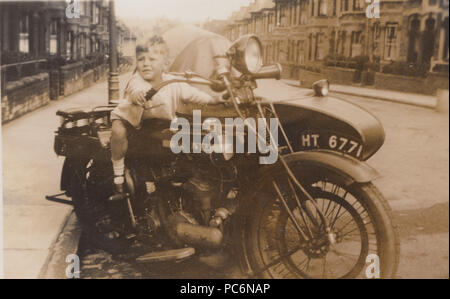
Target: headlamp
[[246, 54]]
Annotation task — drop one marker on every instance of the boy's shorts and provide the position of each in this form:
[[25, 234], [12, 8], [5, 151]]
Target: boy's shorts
[[129, 112]]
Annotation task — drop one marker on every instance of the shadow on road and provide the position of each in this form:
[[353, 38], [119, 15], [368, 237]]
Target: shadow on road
[[434, 219]]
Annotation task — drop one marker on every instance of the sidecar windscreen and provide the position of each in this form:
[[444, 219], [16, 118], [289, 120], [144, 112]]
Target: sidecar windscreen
[[192, 49]]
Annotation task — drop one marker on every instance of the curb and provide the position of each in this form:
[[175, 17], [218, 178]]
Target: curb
[[423, 104], [66, 243]]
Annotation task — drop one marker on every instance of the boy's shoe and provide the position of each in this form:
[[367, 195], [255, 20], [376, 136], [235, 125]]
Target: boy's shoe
[[119, 182]]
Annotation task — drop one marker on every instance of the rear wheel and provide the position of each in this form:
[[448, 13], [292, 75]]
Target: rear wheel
[[287, 236], [90, 187]]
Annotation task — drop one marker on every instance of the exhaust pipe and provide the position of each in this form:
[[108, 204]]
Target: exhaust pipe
[[197, 235]]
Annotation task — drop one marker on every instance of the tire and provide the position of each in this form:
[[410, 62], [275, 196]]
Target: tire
[[89, 193], [91, 184], [270, 239]]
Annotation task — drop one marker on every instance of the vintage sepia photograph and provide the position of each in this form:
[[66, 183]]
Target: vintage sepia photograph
[[224, 139]]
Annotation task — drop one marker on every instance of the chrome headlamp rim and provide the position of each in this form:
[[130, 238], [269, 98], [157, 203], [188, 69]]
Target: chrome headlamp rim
[[240, 52]]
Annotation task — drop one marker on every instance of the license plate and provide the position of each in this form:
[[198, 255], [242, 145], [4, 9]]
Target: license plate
[[331, 141]]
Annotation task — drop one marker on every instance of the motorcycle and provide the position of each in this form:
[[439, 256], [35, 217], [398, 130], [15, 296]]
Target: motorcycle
[[314, 213]]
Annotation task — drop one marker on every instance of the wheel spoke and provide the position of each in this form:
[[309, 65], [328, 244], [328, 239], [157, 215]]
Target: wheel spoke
[[300, 208], [288, 210]]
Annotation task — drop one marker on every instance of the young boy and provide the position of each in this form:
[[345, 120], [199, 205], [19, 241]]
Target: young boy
[[151, 63]]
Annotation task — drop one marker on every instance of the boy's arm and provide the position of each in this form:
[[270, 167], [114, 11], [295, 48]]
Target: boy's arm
[[193, 95], [135, 92]]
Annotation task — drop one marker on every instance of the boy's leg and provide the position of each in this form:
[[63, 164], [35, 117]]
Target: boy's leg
[[119, 147]]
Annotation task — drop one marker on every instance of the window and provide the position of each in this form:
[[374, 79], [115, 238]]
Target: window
[[283, 16], [312, 7], [343, 40], [54, 36], [289, 51], [334, 7], [376, 32], [82, 7], [357, 5], [310, 46], [23, 33], [83, 45], [303, 14], [95, 14], [355, 48], [89, 46], [344, 5], [322, 10], [390, 41], [299, 53], [332, 41], [69, 45], [318, 47], [445, 53]]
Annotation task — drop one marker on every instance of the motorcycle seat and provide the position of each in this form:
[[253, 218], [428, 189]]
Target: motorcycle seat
[[84, 112]]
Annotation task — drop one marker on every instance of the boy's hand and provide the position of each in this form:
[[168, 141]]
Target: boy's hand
[[218, 99], [140, 98]]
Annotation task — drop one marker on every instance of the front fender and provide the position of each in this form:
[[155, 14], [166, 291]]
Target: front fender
[[351, 169]]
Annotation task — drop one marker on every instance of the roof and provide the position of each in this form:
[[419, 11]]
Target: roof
[[254, 7]]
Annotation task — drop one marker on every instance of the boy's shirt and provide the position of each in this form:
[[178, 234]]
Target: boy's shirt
[[163, 104]]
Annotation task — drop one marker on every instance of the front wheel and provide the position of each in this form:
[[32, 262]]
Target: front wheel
[[287, 236]]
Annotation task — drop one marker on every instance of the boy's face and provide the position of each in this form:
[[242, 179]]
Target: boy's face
[[151, 64]]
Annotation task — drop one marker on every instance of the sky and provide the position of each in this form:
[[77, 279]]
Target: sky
[[182, 10]]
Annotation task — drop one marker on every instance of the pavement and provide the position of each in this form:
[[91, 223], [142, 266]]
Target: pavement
[[387, 95], [32, 226]]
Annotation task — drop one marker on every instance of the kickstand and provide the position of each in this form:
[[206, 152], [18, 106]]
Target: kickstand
[[57, 199]]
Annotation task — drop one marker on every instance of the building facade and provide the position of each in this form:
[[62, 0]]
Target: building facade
[[48, 50], [299, 33]]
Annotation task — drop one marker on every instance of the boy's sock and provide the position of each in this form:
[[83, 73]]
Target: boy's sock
[[118, 168]]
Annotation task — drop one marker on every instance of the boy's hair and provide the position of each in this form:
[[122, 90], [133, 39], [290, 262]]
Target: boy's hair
[[155, 40]]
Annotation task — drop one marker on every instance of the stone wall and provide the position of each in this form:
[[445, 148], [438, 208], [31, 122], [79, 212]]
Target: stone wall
[[25, 95], [88, 78], [338, 75], [307, 78], [345, 76], [71, 78], [101, 73], [428, 85], [29, 93]]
